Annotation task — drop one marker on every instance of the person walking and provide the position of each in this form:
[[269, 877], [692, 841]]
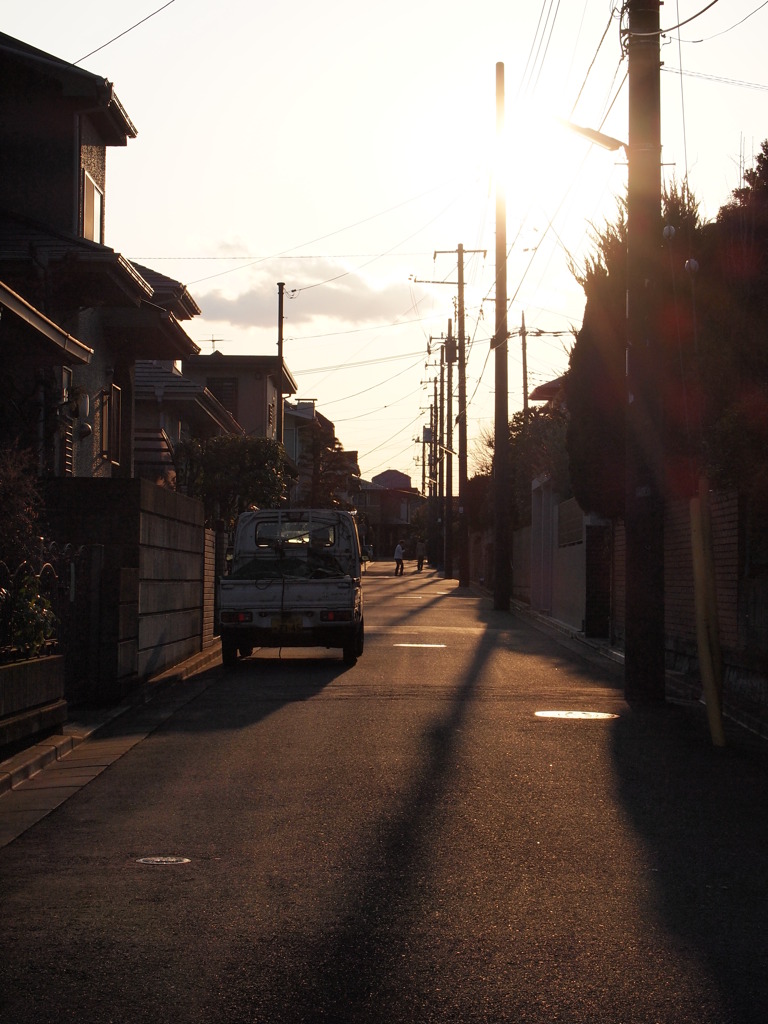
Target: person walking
[[421, 554], [399, 556]]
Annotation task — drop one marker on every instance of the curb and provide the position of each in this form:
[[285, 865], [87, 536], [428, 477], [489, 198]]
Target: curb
[[29, 762]]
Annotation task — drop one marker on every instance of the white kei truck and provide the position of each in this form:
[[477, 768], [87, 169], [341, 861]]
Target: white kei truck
[[294, 582]]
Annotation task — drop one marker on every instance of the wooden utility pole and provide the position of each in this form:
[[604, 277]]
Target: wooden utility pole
[[280, 375], [524, 341], [462, 423], [441, 439], [644, 670], [450, 358], [461, 419], [501, 582]]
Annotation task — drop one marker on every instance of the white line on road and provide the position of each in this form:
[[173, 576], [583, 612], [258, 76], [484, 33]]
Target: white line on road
[[418, 645]]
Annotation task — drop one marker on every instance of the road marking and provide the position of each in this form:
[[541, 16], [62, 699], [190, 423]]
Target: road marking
[[418, 645], [575, 714], [163, 860]]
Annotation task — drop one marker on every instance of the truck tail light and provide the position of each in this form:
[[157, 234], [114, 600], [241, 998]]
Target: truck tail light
[[332, 615], [233, 618]]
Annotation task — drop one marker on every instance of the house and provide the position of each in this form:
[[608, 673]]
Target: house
[[250, 388], [386, 504], [325, 473], [171, 408], [86, 337], [73, 400]]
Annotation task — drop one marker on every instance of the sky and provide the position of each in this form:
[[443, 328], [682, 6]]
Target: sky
[[348, 149]]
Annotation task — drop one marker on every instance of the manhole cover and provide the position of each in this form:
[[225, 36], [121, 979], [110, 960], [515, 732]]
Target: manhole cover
[[575, 714], [163, 860]]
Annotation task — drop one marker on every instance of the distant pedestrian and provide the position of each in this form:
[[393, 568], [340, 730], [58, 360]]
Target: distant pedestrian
[[421, 554], [399, 556]]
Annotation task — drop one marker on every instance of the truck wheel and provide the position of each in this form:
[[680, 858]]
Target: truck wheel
[[228, 651], [349, 653], [354, 648]]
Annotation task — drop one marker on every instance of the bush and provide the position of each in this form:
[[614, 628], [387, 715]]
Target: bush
[[20, 506]]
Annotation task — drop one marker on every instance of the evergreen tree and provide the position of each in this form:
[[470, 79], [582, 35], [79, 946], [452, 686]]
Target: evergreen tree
[[595, 386], [230, 474], [732, 310], [328, 476]]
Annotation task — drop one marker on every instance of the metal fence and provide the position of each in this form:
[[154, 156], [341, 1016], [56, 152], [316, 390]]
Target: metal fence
[[38, 602]]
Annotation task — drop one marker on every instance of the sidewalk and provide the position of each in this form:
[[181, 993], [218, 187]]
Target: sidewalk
[[86, 721]]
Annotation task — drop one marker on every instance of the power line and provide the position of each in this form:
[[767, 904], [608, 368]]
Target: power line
[[125, 33], [730, 28], [364, 362], [715, 78], [330, 234], [250, 256]]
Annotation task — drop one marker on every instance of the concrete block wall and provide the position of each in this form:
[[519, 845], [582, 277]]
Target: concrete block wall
[[170, 577], [153, 586]]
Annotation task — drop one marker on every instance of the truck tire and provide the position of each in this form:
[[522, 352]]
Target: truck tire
[[349, 653], [228, 651], [354, 648]]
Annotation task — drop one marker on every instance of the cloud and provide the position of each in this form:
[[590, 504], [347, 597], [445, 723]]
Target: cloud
[[318, 289]]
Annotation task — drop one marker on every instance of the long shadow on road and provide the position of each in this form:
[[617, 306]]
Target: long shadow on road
[[702, 815], [350, 966]]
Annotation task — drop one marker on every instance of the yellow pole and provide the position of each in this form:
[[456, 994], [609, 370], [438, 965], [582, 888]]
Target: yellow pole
[[702, 588]]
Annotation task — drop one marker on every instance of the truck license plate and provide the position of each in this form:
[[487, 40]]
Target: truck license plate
[[287, 623]]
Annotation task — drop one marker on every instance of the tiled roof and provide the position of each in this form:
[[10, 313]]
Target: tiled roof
[[98, 95], [169, 293], [156, 381]]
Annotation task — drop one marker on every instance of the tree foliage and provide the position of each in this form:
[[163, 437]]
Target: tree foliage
[[595, 386], [732, 299], [711, 356], [328, 475], [537, 447], [230, 474]]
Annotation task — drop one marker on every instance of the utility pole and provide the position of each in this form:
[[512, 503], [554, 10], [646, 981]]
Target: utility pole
[[440, 540], [461, 419], [524, 340], [501, 584], [423, 462], [450, 358], [280, 375], [644, 512], [435, 439]]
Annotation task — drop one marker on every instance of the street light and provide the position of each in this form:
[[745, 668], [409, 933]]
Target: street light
[[604, 141]]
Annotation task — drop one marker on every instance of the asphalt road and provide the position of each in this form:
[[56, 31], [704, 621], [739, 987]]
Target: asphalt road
[[408, 840]]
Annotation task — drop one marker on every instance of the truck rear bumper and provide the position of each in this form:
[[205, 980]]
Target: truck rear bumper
[[271, 636]]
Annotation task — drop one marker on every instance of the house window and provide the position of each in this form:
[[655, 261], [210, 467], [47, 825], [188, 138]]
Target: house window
[[66, 456], [111, 414], [93, 209], [225, 390]]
